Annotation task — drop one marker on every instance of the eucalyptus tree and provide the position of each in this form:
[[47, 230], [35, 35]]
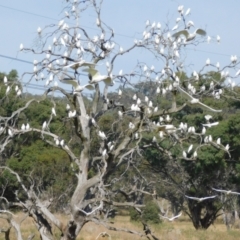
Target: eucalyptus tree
[[107, 153]]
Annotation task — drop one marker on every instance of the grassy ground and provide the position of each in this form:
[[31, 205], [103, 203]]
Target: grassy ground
[[178, 230]]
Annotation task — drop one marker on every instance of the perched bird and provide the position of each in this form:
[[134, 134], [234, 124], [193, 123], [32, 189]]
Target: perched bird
[[68, 107], [180, 9], [102, 135], [175, 27], [10, 132], [96, 77], [139, 101], [208, 39], [191, 129], [62, 142], [203, 130], [210, 138], [119, 92], [178, 19], [168, 119], [57, 141], [54, 112], [189, 36], [208, 62], [227, 147], [196, 101], [120, 50], [21, 47], [207, 117], [72, 114], [44, 126], [161, 134], [226, 191], [190, 148], [27, 126], [104, 152], [233, 59], [120, 114], [8, 89], [19, 92], [188, 12], [134, 97], [136, 135], [172, 218], [131, 125], [200, 199], [39, 30], [93, 122], [5, 80]]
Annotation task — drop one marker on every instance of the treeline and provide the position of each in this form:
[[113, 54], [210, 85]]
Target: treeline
[[49, 170]]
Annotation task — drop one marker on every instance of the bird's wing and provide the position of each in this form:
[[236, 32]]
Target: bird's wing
[[190, 148], [219, 190], [209, 197], [199, 103], [169, 127], [193, 198], [201, 32], [178, 215], [108, 81], [88, 64], [185, 93], [91, 71], [207, 124], [160, 128], [209, 108], [81, 63], [89, 87], [214, 124], [71, 81], [74, 66], [165, 217], [236, 193], [184, 32]]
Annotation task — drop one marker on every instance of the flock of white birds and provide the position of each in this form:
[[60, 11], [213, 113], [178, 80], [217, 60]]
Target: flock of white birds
[[169, 44], [18, 91]]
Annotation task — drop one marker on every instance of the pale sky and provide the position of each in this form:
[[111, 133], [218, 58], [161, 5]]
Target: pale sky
[[19, 21]]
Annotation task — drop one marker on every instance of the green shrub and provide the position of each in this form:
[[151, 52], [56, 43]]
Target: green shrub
[[150, 214], [134, 215]]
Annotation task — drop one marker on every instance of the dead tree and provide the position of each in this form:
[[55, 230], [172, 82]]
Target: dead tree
[[74, 52]]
